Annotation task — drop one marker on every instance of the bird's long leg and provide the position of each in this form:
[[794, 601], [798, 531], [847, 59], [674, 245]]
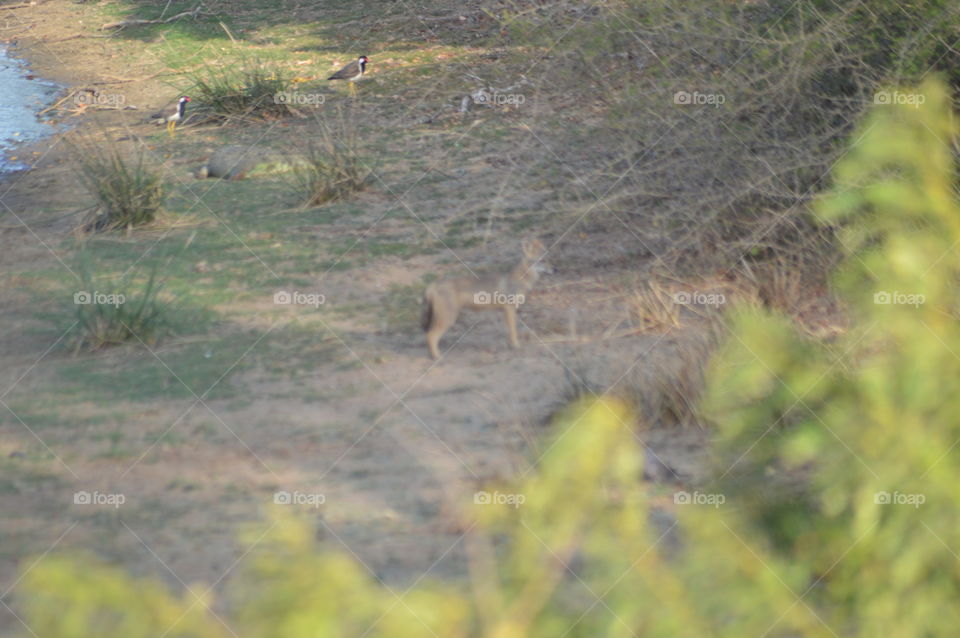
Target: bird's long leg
[[353, 89], [172, 129]]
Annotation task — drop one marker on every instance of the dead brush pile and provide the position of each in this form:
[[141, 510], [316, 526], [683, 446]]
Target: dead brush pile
[[720, 121]]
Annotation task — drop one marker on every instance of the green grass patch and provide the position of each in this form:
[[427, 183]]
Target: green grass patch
[[178, 371], [200, 367], [113, 311]]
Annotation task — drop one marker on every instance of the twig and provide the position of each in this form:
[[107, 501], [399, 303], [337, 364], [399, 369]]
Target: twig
[[126, 80], [78, 35], [139, 22], [58, 102], [229, 35], [110, 107], [455, 18]]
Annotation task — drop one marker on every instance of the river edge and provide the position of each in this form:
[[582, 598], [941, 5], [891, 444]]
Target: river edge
[[26, 95], [60, 42]]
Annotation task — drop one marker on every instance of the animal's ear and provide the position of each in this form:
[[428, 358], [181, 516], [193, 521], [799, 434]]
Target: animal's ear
[[533, 247]]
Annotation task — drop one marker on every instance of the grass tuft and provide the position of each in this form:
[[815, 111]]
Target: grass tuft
[[333, 167], [253, 89], [113, 312], [128, 190], [653, 308]]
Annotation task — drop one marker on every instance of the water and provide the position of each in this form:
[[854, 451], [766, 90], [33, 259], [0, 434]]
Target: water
[[20, 101]]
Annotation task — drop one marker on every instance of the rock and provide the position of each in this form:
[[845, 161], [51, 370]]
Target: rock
[[236, 162]]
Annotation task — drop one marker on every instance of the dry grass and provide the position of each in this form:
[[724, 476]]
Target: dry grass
[[333, 167], [115, 312], [653, 308], [711, 148], [128, 191], [252, 89]]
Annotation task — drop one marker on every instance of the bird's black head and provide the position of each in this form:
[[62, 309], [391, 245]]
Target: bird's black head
[[183, 98]]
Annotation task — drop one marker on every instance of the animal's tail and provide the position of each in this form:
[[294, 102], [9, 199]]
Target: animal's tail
[[426, 318]]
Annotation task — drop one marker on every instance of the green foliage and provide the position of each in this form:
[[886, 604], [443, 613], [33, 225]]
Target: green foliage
[[129, 191], [288, 589], [812, 438], [826, 433], [81, 598]]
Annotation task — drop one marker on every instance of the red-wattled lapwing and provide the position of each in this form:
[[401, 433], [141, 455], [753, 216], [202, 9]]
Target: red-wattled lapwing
[[179, 110], [352, 73]]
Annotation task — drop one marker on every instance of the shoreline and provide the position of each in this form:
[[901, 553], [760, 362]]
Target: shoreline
[[39, 130], [30, 49], [59, 44]]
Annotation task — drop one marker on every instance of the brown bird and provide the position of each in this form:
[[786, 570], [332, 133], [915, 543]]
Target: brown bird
[[352, 73]]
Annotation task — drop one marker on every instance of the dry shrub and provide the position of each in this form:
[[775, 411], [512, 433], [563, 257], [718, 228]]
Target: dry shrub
[[667, 389], [332, 167], [778, 285], [719, 122], [795, 288], [251, 89], [129, 190], [653, 308]]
